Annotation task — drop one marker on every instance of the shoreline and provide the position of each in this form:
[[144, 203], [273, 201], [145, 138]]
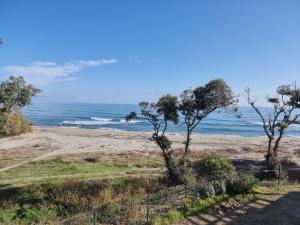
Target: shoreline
[[150, 132]]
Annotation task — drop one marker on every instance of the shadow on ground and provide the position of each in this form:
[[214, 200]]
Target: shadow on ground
[[267, 210]]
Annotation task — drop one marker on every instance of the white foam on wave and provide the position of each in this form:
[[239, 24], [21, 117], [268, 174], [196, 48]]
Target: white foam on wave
[[86, 122], [258, 123], [294, 126], [131, 121], [101, 119], [99, 122]]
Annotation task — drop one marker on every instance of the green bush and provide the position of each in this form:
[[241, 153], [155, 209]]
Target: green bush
[[213, 172], [199, 205], [219, 187], [7, 212], [187, 205], [31, 214], [123, 212], [14, 124], [170, 218], [240, 184], [206, 188], [202, 204], [173, 216], [39, 214], [214, 165]]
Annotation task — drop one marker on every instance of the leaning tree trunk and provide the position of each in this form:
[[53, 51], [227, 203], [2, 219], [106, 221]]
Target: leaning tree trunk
[[174, 172], [269, 156], [272, 156], [185, 158], [270, 160]]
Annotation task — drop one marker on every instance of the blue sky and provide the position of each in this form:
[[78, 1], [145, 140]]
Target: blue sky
[[126, 51]]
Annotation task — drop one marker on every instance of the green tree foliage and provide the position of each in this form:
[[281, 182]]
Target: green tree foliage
[[14, 94], [194, 105], [160, 114], [285, 105], [131, 116], [197, 104]]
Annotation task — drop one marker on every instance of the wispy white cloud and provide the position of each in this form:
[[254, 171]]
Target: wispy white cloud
[[43, 63], [41, 72], [135, 60], [95, 62], [71, 78], [67, 79]]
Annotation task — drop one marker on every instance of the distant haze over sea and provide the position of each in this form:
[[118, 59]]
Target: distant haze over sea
[[111, 117]]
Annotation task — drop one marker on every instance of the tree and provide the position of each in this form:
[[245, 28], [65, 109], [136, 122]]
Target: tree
[[160, 114], [194, 105], [275, 123], [130, 116], [15, 94], [197, 104]]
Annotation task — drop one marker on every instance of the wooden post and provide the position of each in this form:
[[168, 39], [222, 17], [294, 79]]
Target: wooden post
[[148, 202], [279, 175], [95, 218], [148, 208]]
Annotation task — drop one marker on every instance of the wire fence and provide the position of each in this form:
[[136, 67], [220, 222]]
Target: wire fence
[[281, 173], [141, 209], [154, 204]]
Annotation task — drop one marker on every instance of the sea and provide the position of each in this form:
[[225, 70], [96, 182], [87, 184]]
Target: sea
[[112, 117]]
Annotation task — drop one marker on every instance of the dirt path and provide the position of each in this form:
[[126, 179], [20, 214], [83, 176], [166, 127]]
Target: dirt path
[[45, 156]]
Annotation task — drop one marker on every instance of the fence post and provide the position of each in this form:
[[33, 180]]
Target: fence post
[[148, 207], [94, 217], [279, 175]]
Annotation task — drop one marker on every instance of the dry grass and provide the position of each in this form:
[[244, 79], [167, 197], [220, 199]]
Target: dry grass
[[71, 201]]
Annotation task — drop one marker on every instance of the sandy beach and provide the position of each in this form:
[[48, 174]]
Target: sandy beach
[[52, 142]]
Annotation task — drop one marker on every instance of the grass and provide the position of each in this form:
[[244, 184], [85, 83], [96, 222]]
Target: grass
[[60, 167], [190, 207], [51, 203], [58, 200], [169, 218], [119, 200], [65, 168], [42, 192]]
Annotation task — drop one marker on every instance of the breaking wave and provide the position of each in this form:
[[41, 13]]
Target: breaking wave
[[295, 126], [99, 121]]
